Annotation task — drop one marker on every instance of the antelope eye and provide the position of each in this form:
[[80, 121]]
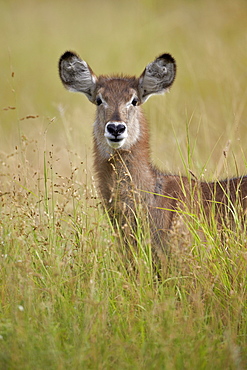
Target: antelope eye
[[98, 101], [134, 101]]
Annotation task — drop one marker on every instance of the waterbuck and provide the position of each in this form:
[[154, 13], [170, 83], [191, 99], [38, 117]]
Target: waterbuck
[[127, 180]]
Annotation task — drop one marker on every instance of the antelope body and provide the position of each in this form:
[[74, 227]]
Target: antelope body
[[126, 178]]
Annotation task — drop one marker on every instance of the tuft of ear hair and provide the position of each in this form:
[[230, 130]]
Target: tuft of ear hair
[[76, 74], [158, 76]]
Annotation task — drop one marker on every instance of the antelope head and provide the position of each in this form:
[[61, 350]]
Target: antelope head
[[118, 98]]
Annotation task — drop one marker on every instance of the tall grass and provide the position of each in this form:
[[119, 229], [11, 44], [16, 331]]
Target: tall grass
[[68, 298]]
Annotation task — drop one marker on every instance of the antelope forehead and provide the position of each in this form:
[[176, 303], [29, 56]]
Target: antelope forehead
[[117, 93]]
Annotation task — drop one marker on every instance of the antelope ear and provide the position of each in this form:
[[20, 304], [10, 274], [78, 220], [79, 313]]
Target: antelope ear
[[157, 77], [76, 75]]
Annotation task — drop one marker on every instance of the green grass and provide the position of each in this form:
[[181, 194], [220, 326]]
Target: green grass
[[68, 298]]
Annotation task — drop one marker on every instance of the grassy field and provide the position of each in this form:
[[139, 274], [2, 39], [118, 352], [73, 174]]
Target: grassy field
[[66, 298]]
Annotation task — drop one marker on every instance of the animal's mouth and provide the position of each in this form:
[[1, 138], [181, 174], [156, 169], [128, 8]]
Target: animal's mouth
[[115, 143], [116, 140]]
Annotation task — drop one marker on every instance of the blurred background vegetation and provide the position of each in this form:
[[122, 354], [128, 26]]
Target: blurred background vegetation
[[206, 106]]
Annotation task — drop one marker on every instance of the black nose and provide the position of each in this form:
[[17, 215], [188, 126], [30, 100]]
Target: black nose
[[116, 129]]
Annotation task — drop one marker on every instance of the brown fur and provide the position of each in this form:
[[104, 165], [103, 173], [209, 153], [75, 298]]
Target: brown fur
[[127, 181]]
